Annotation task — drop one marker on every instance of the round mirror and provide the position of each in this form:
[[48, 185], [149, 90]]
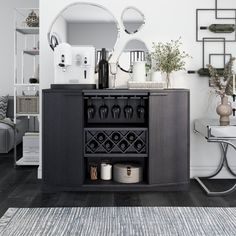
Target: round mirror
[[84, 24], [132, 20], [135, 50]]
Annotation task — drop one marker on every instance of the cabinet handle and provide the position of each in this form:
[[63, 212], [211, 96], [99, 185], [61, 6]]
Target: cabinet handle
[[159, 94]]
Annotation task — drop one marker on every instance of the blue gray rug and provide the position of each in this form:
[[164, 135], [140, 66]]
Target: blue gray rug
[[119, 221]]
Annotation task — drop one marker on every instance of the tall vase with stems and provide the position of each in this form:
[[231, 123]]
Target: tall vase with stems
[[224, 110]]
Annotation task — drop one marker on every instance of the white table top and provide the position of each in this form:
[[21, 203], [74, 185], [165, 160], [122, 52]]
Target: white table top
[[211, 128]]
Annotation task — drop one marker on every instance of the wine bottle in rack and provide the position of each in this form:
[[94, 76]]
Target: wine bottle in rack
[[219, 28], [205, 72], [101, 137], [131, 137], [138, 145], [93, 145], [108, 145], [115, 137], [123, 145]]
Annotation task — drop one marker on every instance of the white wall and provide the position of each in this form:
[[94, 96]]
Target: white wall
[[7, 40], [165, 20]]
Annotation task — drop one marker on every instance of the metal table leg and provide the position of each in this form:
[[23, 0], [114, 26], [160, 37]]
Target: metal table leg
[[224, 147]]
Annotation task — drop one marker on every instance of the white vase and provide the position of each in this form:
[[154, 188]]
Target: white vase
[[139, 71], [156, 77]]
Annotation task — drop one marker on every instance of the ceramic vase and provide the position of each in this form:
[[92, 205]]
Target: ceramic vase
[[224, 110], [156, 77]]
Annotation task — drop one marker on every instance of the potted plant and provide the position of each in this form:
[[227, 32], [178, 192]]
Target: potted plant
[[223, 86], [167, 58]]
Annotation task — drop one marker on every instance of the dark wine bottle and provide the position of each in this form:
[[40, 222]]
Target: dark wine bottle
[[205, 72], [103, 71], [101, 137], [123, 145], [138, 145], [108, 145], [93, 145], [131, 137], [220, 28], [115, 137]]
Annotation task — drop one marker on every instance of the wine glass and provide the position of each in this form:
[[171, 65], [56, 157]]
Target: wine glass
[[113, 70]]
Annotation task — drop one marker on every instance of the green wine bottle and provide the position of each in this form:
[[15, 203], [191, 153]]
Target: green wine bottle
[[204, 72], [219, 28]]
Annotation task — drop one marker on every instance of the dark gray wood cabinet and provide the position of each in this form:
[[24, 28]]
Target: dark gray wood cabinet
[[64, 123], [62, 138], [169, 137]]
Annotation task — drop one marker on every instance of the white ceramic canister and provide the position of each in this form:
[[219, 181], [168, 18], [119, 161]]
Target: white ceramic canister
[[156, 77], [139, 71], [106, 171]]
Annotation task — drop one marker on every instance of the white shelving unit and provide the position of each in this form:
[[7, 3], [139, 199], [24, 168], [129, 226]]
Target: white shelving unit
[[26, 44]]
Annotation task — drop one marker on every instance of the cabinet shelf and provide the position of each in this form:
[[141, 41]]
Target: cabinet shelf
[[111, 183], [26, 85], [31, 52], [28, 30], [25, 162], [19, 114]]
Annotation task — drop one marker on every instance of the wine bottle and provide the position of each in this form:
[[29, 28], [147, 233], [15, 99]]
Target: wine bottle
[[205, 72], [131, 137], [101, 137], [103, 71], [123, 145], [220, 28], [93, 145], [108, 145], [138, 145], [115, 137]]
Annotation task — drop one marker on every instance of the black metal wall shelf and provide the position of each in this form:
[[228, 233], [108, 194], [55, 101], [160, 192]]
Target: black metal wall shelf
[[223, 36]]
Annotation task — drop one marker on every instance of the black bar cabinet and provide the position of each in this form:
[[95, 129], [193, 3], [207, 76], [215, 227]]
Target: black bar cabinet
[[148, 127]]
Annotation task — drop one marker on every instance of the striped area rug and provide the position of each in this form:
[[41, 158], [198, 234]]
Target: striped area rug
[[119, 221]]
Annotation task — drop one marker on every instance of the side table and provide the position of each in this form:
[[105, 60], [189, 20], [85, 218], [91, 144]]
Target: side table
[[224, 135]]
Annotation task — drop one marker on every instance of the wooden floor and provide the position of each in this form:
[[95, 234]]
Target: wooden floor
[[20, 188]]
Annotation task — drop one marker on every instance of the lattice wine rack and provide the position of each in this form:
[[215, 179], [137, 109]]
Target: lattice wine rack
[[115, 141]]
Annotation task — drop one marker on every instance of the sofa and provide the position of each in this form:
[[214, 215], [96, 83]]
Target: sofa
[[7, 132]]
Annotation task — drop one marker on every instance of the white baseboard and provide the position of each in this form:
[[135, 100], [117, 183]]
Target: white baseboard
[[207, 170]]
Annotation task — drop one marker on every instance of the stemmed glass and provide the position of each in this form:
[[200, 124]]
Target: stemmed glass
[[113, 70]]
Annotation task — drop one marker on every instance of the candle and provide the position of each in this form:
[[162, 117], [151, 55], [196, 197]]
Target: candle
[[106, 171]]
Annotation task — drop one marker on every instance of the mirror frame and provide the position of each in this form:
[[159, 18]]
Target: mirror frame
[[128, 41], [83, 3], [122, 21]]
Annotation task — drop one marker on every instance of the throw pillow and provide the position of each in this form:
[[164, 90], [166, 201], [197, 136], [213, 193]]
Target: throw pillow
[[3, 106]]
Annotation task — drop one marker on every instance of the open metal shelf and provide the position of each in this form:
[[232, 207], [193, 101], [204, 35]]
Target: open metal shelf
[[31, 52], [28, 30]]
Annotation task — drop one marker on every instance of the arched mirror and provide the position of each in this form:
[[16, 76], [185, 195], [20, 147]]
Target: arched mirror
[[135, 50], [133, 20], [85, 24]]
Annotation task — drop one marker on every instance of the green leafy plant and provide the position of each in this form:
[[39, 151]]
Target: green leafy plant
[[223, 85], [168, 57]]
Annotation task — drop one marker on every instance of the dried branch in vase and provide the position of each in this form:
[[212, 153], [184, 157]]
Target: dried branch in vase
[[223, 85]]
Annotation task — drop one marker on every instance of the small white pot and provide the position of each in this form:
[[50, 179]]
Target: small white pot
[[156, 77]]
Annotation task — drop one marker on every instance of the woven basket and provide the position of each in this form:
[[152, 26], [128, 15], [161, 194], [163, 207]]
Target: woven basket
[[27, 104]]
